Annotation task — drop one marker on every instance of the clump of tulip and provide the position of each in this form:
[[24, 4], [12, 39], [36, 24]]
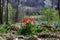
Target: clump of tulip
[[28, 20], [29, 27]]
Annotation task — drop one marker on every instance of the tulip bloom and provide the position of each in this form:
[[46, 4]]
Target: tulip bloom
[[27, 20], [22, 21], [31, 19], [33, 22]]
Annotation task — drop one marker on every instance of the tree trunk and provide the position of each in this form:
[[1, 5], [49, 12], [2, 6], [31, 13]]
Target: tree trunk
[[7, 13], [59, 6], [52, 3], [1, 12], [16, 15], [59, 12]]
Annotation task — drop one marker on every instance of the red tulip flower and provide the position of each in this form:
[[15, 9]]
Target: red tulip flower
[[27, 20], [22, 21], [33, 22], [31, 19]]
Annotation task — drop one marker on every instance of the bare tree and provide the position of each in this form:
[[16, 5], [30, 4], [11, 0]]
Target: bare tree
[[59, 6], [7, 13], [52, 3], [1, 11], [16, 15]]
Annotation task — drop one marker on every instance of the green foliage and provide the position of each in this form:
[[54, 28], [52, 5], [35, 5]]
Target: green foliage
[[3, 28], [19, 31], [51, 15], [11, 10], [10, 21], [28, 29], [43, 29], [40, 29], [11, 13]]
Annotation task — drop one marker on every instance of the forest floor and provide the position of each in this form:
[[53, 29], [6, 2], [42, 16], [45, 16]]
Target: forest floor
[[54, 35]]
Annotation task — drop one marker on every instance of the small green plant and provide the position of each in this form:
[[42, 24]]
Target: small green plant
[[3, 28], [43, 29], [28, 29]]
